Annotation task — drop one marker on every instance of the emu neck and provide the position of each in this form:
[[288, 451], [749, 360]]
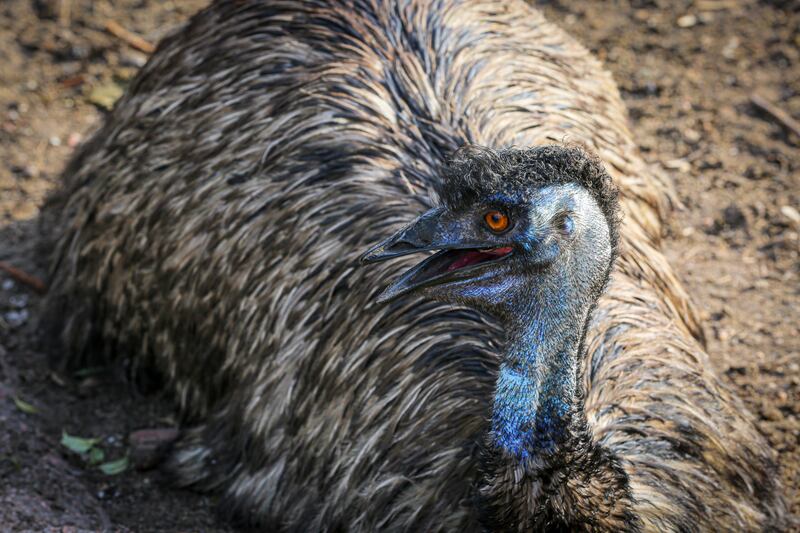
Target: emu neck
[[536, 394]]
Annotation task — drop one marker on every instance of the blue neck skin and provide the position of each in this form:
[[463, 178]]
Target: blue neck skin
[[535, 394]]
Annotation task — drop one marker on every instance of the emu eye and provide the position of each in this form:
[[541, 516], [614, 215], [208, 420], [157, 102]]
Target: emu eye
[[496, 220], [565, 224]]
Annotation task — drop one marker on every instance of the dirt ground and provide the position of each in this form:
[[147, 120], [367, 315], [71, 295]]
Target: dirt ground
[[687, 70]]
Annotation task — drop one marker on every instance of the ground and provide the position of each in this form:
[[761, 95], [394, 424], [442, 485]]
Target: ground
[[688, 72]]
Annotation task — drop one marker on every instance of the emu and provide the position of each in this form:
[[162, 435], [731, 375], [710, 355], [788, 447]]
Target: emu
[[210, 231], [529, 237]]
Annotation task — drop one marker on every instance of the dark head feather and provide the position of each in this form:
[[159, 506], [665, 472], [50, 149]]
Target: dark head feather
[[474, 173]]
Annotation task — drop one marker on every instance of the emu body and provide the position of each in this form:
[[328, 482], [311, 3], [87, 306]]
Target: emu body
[[211, 230]]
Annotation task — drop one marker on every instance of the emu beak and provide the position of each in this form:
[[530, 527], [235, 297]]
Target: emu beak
[[463, 251]]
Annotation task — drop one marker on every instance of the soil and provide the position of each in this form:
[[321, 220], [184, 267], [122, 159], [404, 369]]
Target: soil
[[687, 70]]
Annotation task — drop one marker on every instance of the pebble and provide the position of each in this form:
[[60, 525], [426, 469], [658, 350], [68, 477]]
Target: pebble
[[20, 301], [86, 386], [132, 58], [791, 213], [107, 492], [772, 413], [733, 217], [680, 164], [691, 136], [687, 21], [16, 318], [74, 139], [149, 445], [729, 50]]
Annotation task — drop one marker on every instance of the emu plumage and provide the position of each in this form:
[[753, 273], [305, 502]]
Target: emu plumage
[[211, 230]]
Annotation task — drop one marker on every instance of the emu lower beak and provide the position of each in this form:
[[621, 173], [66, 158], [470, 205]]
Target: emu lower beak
[[463, 253]]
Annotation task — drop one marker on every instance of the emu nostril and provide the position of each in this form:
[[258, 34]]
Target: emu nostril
[[420, 235], [405, 245]]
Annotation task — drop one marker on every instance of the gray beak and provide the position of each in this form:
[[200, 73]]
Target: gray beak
[[457, 240]]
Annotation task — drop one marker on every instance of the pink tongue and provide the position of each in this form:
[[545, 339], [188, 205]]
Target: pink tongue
[[499, 251], [473, 256]]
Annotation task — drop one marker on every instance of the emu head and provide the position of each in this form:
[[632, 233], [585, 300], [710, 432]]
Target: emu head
[[516, 228]]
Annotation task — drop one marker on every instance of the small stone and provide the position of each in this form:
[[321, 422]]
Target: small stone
[[729, 50], [691, 136], [54, 460], [19, 301], [16, 318], [55, 141], [687, 21], [86, 386], [710, 161], [31, 171], [791, 213], [105, 96], [148, 446], [57, 379], [770, 412], [733, 217], [132, 58], [74, 139], [680, 164]]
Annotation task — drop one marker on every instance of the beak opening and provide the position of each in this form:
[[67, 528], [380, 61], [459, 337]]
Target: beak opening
[[459, 257]]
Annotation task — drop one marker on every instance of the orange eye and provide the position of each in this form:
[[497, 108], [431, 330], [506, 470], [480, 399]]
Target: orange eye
[[497, 221]]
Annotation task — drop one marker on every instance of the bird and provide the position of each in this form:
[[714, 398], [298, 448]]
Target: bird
[[208, 235], [528, 236]]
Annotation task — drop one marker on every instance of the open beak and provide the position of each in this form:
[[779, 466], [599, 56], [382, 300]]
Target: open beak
[[462, 252]]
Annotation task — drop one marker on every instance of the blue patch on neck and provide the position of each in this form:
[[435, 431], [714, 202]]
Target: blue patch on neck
[[532, 399], [515, 402]]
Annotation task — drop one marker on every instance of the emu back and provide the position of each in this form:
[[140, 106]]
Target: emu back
[[211, 229]]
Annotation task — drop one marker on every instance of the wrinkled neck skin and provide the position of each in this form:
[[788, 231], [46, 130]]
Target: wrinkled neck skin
[[537, 392]]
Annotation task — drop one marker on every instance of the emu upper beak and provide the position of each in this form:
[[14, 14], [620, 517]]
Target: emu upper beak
[[463, 252]]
